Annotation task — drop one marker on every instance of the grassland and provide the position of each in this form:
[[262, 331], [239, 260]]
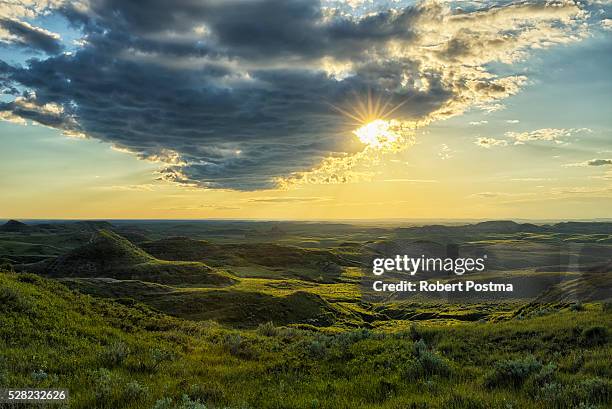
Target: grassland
[[210, 316], [138, 358]]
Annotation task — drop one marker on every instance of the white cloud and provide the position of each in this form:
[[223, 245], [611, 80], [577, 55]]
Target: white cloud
[[490, 142], [445, 152], [545, 134]]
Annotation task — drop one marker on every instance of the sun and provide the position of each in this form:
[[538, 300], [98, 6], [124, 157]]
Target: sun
[[371, 116], [376, 134]]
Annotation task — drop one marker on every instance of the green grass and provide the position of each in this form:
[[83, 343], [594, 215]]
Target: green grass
[[111, 355], [185, 322]]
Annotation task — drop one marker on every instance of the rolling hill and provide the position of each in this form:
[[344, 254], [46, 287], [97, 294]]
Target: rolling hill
[[109, 255], [277, 260]]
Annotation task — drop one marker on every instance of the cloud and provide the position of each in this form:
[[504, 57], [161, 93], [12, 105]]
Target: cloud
[[545, 134], [512, 121], [490, 142], [411, 180], [146, 187], [476, 123], [592, 162], [445, 152], [489, 195], [531, 179], [26, 35], [599, 162], [241, 95], [580, 190], [287, 199]]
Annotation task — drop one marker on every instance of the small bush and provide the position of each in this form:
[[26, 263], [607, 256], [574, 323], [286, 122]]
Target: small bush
[[577, 306], [238, 347], [210, 392], [512, 372], [149, 360], [427, 362], [163, 403], [183, 403], [317, 349], [594, 390], [419, 348], [345, 339], [233, 342], [268, 329], [39, 375], [433, 364], [540, 379], [105, 387], [114, 354], [550, 392], [12, 300], [595, 335], [134, 391]]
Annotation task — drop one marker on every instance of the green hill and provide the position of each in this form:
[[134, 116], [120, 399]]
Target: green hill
[[589, 287], [109, 255], [14, 226], [277, 260]]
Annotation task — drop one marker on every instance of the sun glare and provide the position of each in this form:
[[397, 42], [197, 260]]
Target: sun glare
[[374, 129], [376, 134]]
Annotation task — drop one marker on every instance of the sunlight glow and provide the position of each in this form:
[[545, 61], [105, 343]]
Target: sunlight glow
[[377, 134]]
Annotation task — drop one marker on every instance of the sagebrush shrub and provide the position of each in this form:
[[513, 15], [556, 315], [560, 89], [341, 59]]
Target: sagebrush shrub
[[114, 354], [134, 391], [594, 390], [12, 300], [268, 329], [595, 335], [183, 403], [512, 372]]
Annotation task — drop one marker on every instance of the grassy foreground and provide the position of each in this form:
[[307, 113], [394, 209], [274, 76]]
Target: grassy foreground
[[111, 355]]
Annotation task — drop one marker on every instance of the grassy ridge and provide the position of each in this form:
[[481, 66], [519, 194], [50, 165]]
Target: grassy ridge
[[108, 254], [111, 356]]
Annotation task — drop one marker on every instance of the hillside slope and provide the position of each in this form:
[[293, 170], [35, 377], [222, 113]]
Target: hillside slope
[[109, 255], [112, 356]]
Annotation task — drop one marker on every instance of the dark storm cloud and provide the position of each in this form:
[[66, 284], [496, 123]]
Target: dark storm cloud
[[31, 37], [227, 93]]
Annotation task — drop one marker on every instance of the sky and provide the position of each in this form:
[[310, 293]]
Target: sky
[[304, 109]]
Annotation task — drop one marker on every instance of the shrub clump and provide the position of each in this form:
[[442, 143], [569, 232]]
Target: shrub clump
[[268, 329], [512, 372], [183, 403], [594, 390], [114, 354], [595, 335], [12, 300], [238, 347], [427, 362], [135, 392]]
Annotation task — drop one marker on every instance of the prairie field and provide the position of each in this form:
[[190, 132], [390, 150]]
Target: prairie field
[[279, 315]]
